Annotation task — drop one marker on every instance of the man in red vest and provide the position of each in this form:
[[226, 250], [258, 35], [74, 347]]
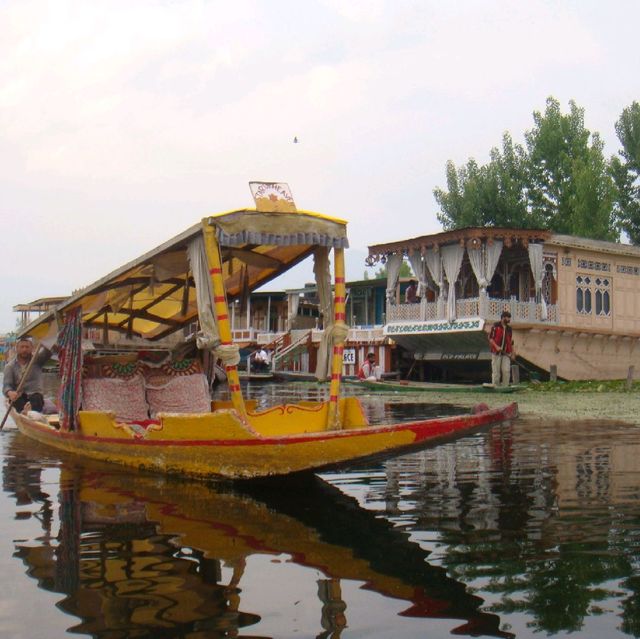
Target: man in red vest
[[502, 350]]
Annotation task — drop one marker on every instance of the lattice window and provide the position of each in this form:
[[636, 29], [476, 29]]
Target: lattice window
[[583, 294], [547, 283], [603, 296]]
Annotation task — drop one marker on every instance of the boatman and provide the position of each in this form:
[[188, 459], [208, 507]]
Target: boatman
[[502, 350], [32, 389], [369, 370]]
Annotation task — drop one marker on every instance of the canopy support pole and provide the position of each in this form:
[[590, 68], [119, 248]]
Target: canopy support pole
[[221, 310], [338, 346]]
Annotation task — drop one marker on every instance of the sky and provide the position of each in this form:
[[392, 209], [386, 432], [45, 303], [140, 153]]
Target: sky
[[124, 123]]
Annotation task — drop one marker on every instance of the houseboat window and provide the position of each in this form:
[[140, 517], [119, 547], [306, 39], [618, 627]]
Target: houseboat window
[[547, 284], [603, 297], [583, 294]]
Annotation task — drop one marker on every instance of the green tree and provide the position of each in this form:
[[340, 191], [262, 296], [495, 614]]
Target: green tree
[[559, 180], [381, 273], [489, 195], [625, 171], [569, 186]]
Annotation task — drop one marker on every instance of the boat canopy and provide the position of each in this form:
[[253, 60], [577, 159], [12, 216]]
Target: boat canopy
[[155, 294]]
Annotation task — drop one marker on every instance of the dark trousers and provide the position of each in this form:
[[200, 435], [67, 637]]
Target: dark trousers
[[36, 399]]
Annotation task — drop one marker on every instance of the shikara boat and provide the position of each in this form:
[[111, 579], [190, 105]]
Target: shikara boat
[[113, 410]]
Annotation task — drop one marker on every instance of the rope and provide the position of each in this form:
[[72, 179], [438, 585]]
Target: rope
[[228, 353]]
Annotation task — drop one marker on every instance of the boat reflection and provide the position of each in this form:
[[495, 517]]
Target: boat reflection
[[136, 556]]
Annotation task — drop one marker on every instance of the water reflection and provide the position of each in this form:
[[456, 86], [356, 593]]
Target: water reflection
[[137, 556], [540, 518]]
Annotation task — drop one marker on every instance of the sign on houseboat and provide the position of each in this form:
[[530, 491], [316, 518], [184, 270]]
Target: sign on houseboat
[[415, 328]]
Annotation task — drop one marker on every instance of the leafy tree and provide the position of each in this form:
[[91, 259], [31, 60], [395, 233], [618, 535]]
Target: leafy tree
[[560, 180], [570, 189], [625, 171], [489, 195], [381, 273]]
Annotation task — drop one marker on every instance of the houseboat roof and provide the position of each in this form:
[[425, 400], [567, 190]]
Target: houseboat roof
[[450, 237], [508, 235]]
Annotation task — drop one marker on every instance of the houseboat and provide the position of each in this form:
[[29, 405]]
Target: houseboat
[[574, 302]]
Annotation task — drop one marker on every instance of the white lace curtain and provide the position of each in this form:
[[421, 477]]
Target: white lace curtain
[[293, 305], [322, 272], [452, 261], [484, 260], [537, 268], [433, 262], [420, 269], [393, 264]]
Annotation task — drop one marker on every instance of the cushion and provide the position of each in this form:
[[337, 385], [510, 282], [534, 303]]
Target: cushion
[[182, 394], [125, 397]]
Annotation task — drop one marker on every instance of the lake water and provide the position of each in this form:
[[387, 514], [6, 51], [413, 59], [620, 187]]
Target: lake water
[[529, 529]]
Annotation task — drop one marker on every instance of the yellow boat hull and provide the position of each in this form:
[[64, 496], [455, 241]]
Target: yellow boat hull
[[282, 440]]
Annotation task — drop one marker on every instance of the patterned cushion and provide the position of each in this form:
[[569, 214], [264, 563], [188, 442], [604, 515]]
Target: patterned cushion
[[125, 397], [182, 394]]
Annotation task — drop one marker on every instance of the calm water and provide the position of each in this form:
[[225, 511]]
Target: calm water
[[530, 529]]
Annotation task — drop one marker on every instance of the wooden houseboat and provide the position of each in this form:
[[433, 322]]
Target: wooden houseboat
[[575, 302]]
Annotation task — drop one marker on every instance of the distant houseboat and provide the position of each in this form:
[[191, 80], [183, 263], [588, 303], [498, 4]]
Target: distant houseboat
[[575, 302]]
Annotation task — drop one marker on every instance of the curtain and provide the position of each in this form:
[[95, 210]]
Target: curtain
[[484, 260], [452, 261], [70, 357], [208, 336], [293, 303], [394, 262], [433, 262], [537, 268], [420, 269], [322, 272]]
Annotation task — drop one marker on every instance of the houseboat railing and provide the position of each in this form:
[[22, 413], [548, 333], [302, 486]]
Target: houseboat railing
[[529, 311]]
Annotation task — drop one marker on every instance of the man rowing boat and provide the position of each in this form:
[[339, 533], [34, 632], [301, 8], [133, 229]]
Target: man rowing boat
[[32, 387]]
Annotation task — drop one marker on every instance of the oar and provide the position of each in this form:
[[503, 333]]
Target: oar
[[21, 383]]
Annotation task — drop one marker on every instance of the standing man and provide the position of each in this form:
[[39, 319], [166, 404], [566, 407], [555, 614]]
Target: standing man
[[502, 350], [32, 389]]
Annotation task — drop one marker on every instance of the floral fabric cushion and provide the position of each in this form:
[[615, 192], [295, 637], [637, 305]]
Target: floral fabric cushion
[[183, 394], [125, 397]]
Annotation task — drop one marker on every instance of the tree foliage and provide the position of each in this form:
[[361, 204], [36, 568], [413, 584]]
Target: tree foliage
[[381, 273], [559, 180], [625, 170]]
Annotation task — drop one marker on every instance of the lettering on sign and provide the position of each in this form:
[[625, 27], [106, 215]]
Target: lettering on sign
[[459, 356], [456, 326], [349, 356]]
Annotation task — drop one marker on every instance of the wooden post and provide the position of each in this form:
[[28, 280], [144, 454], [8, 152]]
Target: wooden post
[[630, 377], [338, 349], [221, 311], [553, 373], [515, 374]]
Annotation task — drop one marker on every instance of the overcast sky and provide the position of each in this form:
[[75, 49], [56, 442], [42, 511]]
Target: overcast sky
[[123, 123]]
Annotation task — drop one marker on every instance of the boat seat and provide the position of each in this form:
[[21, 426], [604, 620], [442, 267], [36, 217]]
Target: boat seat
[[181, 394], [124, 397]]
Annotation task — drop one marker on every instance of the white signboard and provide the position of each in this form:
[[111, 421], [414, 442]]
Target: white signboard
[[349, 356], [435, 327]]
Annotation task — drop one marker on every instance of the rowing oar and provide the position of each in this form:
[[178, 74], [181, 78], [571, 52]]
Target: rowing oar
[[21, 383]]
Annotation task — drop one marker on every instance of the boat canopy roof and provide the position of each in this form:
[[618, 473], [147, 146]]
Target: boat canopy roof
[[154, 295]]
